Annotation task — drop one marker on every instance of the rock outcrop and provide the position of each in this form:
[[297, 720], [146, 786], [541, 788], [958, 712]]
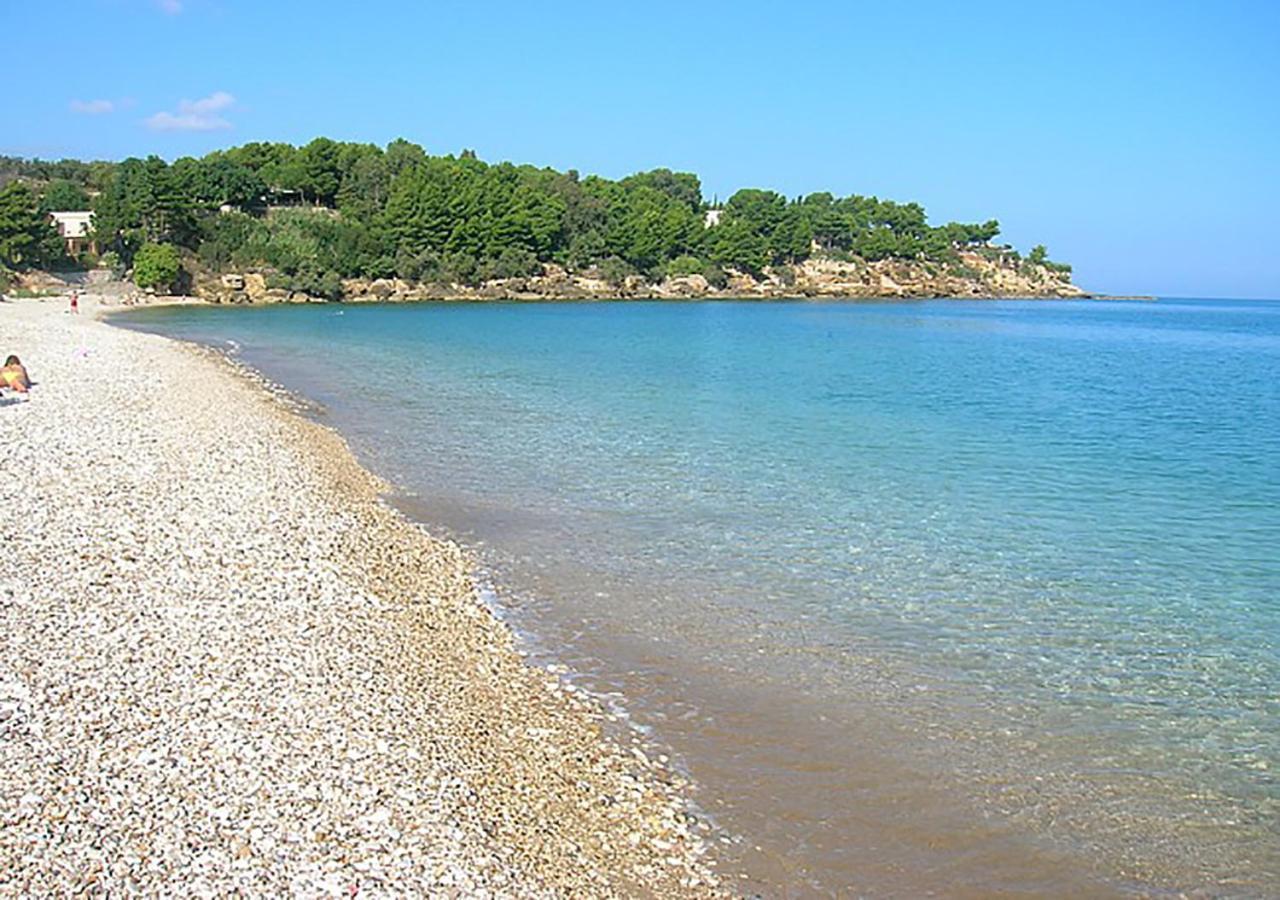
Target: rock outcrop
[[974, 274]]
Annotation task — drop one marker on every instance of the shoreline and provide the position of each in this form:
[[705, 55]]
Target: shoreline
[[250, 290], [610, 667], [1128, 866], [398, 676], [769, 863]]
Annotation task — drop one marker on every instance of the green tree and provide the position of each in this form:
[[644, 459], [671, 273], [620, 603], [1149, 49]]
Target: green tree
[[64, 195], [364, 189], [146, 202], [156, 266], [682, 187], [318, 165], [735, 244], [759, 228], [402, 154], [27, 238], [447, 218], [216, 179], [232, 240]]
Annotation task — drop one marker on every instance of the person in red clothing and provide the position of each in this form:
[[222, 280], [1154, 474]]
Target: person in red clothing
[[75, 302]]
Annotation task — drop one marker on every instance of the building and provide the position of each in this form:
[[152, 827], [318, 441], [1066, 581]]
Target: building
[[712, 218], [76, 230]]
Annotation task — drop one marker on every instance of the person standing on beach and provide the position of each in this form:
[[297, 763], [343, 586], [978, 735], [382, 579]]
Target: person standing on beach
[[75, 303]]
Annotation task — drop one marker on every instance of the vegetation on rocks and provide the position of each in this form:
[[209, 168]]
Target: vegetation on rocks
[[315, 215]]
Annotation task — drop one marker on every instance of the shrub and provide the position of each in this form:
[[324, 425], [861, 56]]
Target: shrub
[[111, 260], [421, 266], [459, 268], [156, 266], [233, 239], [716, 276], [310, 280], [685, 265], [615, 270], [513, 262]]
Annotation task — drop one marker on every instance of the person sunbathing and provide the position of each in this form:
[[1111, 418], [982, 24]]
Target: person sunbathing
[[14, 375]]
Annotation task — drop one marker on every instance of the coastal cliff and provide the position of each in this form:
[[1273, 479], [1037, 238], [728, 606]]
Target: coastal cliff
[[974, 274]]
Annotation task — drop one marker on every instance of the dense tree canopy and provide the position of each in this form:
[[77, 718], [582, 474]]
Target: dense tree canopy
[[64, 195], [27, 239], [328, 210]]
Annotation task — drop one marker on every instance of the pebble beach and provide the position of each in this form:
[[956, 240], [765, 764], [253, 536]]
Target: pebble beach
[[227, 666]]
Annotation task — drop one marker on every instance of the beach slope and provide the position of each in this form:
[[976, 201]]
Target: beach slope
[[226, 665]]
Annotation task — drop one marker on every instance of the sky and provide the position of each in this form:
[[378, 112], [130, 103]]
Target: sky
[[1140, 141]]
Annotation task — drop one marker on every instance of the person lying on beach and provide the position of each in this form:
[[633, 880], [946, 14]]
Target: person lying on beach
[[14, 375]]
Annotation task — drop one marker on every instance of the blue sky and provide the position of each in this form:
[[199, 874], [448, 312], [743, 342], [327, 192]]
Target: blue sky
[[1138, 140]]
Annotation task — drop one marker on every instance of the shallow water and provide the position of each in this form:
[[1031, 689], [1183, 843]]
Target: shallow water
[[966, 597]]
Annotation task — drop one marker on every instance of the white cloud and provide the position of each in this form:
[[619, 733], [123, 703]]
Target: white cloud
[[195, 115], [93, 107], [172, 7]]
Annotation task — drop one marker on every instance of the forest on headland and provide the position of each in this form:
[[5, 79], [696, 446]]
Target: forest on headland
[[311, 216]]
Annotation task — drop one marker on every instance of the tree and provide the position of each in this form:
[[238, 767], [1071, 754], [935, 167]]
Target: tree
[[456, 218], [417, 214], [63, 195], [147, 202], [215, 180], [402, 154], [682, 187], [273, 163], [27, 238], [156, 266], [364, 189], [318, 162], [763, 229], [735, 244], [1039, 255]]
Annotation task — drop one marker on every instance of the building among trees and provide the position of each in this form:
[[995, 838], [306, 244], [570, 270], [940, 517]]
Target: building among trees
[[75, 227]]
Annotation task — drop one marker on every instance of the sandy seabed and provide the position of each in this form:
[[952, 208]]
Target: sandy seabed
[[226, 665]]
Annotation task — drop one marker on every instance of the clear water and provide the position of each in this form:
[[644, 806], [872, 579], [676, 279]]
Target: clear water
[[971, 597]]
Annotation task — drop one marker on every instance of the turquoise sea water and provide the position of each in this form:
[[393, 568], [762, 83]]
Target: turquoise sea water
[[958, 596]]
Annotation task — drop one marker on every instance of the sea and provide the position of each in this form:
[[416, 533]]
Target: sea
[[966, 598]]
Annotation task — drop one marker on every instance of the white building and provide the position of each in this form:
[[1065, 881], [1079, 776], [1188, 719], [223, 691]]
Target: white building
[[76, 230]]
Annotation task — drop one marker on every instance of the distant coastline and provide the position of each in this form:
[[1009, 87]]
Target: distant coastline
[[817, 279], [330, 220], [825, 279]]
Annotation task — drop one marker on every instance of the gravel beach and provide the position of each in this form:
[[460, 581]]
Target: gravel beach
[[226, 666]]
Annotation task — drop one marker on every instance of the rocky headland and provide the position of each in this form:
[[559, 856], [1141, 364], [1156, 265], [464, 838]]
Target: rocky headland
[[974, 275]]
